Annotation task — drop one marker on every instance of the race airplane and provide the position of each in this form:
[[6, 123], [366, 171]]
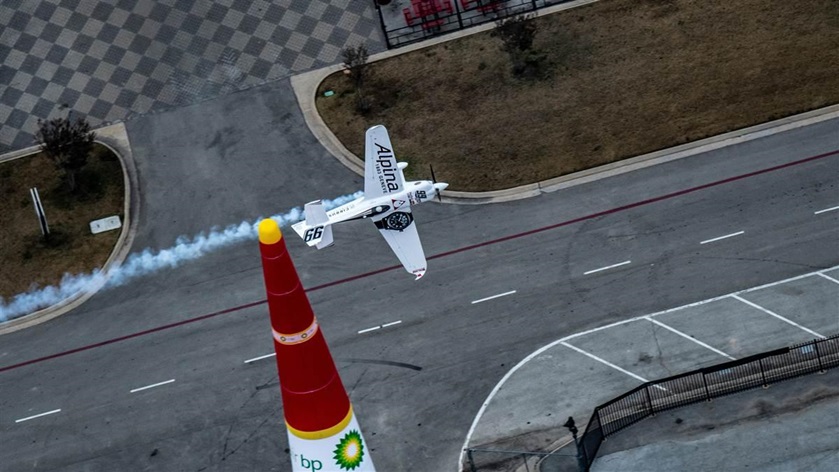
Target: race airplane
[[387, 201]]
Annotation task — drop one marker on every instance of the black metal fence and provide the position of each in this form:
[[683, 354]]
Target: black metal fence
[[704, 384], [700, 385], [408, 21]]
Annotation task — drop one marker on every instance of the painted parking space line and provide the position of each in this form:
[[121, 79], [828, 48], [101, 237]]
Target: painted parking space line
[[674, 330], [826, 210], [266, 356], [607, 267], [494, 297], [829, 278], [151, 386], [605, 362], [720, 238], [38, 415], [392, 323], [770, 312]]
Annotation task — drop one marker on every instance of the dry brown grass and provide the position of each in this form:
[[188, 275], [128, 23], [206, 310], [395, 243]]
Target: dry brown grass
[[24, 258], [628, 77]]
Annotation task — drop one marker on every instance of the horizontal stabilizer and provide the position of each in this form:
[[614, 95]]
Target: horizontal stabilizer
[[316, 229]]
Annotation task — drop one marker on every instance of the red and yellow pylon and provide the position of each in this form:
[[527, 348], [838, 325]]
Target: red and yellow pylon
[[323, 433]]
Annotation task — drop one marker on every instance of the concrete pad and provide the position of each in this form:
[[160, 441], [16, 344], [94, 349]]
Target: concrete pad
[[812, 302], [790, 426], [733, 327], [558, 383], [646, 349]]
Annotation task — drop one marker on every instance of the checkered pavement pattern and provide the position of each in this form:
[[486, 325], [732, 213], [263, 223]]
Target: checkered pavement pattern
[[110, 60]]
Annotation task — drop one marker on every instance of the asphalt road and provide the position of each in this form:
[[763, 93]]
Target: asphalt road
[[416, 385]]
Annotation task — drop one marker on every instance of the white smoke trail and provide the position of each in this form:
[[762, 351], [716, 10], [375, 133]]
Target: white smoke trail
[[147, 262]]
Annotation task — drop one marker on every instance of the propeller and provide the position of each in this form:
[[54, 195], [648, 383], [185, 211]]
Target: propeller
[[439, 188]]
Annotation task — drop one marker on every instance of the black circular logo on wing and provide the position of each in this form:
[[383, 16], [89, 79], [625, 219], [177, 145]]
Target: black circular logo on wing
[[398, 220]]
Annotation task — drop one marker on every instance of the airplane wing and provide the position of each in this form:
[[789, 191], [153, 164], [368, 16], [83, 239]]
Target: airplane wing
[[382, 174], [400, 232]]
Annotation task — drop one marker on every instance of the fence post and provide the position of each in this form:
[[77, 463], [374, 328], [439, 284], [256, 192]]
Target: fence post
[[762, 373], [382, 22], [707, 392], [818, 355], [649, 400], [471, 460], [457, 12], [526, 467]]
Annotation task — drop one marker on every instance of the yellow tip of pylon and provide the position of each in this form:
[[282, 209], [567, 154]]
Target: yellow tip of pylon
[[269, 231]]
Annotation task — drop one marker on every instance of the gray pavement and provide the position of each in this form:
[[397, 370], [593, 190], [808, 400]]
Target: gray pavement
[[223, 414], [114, 60], [791, 426]]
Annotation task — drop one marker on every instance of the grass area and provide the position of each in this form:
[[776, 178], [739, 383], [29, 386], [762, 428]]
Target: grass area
[[25, 257], [626, 77]]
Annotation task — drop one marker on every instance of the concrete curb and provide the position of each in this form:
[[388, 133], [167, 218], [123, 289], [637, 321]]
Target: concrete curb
[[115, 138]]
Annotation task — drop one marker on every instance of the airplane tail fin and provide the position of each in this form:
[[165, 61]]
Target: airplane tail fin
[[316, 229]]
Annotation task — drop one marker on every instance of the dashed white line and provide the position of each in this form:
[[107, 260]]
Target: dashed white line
[[494, 297], [151, 386], [608, 267], [374, 328], [722, 237], [826, 210], [37, 416], [689, 338], [769, 312], [266, 356]]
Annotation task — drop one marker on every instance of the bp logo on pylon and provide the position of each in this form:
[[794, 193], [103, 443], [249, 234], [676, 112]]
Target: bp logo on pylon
[[349, 451]]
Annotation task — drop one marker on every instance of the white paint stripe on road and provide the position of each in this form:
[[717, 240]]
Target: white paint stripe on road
[[151, 386], [607, 267], [374, 328], [37, 416], [769, 312], [829, 278], [826, 210], [689, 338], [634, 376], [722, 237], [494, 296], [266, 356], [392, 323]]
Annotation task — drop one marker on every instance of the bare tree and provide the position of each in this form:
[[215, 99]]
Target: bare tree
[[67, 143], [355, 62], [517, 33]]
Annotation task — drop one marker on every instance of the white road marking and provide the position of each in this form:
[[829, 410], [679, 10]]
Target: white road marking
[[608, 267], [152, 386], [689, 338], [642, 379], [37, 416], [494, 296], [266, 356], [826, 210], [769, 312], [722, 237], [829, 278], [374, 328]]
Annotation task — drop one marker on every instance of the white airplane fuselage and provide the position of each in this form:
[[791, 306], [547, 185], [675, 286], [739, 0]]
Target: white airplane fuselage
[[415, 192]]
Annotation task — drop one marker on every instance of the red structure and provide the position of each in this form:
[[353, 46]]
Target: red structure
[[316, 406]]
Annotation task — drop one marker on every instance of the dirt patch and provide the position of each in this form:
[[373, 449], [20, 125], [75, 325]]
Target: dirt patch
[[27, 260], [625, 77]]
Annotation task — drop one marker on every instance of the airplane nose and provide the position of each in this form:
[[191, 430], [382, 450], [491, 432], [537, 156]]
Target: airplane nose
[[440, 186]]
